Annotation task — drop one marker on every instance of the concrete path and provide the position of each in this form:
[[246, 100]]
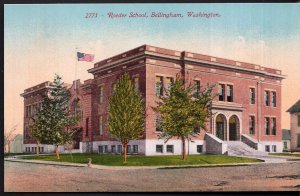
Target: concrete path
[[266, 159]]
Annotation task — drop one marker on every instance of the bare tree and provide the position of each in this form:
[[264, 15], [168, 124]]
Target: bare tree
[[9, 137]]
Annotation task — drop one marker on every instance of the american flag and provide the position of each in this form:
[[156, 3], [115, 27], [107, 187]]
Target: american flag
[[85, 57]]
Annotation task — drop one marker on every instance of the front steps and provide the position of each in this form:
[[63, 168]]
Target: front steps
[[238, 148]]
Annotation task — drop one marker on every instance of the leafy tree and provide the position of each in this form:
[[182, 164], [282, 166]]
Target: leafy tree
[[53, 123], [126, 113], [9, 137], [183, 110]]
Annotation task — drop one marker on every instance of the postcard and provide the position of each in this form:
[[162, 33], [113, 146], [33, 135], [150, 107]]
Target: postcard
[[147, 97]]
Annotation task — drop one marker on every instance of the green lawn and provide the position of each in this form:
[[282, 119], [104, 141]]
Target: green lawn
[[14, 154], [135, 160], [286, 154]]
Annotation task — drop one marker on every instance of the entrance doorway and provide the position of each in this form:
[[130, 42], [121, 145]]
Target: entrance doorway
[[221, 132], [234, 133]]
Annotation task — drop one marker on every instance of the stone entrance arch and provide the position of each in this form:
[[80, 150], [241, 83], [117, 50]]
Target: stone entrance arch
[[221, 127], [234, 128]]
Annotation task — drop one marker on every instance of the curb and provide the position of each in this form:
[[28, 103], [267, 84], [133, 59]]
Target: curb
[[47, 162], [104, 167]]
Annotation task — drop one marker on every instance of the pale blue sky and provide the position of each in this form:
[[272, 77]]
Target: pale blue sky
[[40, 40]]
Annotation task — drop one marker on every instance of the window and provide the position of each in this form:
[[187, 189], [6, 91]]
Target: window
[[32, 149], [42, 149], [196, 89], [101, 94], [87, 127], [199, 148], [252, 95], [267, 125], [298, 120], [128, 149], [120, 149], [267, 148], [221, 92], [273, 126], [285, 145], [170, 148], [113, 149], [101, 125], [267, 98], [273, 100], [135, 148], [169, 83], [159, 85], [229, 93], [252, 125], [105, 148], [136, 84], [298, 140], [100, 149], [158, 123], [159, 148], [274, 148]]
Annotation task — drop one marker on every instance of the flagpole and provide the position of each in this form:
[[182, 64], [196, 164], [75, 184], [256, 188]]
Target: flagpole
[[75, 85]]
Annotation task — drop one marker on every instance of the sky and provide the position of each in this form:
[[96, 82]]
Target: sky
[[42, 39]]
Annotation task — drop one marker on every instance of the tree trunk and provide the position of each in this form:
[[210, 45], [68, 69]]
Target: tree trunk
[[38, 149], [57, 151], [8, 147], [183, 149], [125, 152]]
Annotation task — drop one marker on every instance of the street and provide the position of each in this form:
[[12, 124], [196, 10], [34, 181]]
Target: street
[[29, 177]]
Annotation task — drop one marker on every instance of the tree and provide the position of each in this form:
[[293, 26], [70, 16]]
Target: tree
[[183, 110], [53, 123], [9, 137], [126, 113]]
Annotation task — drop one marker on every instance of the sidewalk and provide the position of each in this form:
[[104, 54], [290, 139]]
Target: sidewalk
[[266, 159], [103, 167]]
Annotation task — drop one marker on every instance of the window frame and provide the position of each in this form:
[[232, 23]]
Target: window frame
[[168, 148], [273, 99], [221, 91], [229, 90], [159, 88], [196, 87], [252, 125], [267, 125], [157, 148], [120, 149], [252, 95], [273, 126], [113, 148], [267, 148], [128, 149], [100, 149], [169, 82], [267, 98], [135, 149]]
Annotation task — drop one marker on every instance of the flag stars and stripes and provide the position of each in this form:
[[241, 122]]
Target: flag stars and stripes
[[85, 57]]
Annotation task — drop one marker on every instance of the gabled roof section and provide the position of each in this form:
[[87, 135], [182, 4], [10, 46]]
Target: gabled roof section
[[286, 134], [295, 108]]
